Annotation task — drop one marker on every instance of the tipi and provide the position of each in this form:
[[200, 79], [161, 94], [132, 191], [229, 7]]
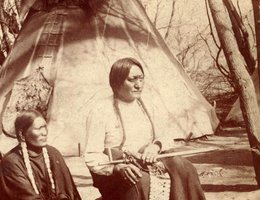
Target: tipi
[[74, 43], [235, 114]]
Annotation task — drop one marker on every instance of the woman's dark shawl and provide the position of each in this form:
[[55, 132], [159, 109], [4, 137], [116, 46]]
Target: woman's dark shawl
[[15, 184]]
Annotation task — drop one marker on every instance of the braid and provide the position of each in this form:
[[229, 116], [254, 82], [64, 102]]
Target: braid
[[118, 114], [28, 166], [141, 103], [47, 162]]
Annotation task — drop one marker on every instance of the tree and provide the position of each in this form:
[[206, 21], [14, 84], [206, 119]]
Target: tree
[[4, 27], [9, 26], [241, 36], [256, 8], [170, 20], [242, 79]]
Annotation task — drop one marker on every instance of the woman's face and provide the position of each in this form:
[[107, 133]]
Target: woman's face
[[36, 135], [132, 86]]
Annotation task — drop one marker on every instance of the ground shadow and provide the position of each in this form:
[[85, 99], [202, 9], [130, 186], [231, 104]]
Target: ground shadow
[[225, 157], [226, 188]]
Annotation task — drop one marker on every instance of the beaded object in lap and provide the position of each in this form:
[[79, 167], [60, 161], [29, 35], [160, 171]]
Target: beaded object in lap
[[160, 183]]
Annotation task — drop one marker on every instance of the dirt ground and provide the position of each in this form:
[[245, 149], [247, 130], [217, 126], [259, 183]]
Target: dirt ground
[[225, 174]]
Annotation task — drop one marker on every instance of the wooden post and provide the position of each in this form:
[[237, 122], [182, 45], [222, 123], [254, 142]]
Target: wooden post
[[79, 149]]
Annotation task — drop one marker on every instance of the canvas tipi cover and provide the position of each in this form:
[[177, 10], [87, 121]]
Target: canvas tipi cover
[[75, 46], [235, 114]]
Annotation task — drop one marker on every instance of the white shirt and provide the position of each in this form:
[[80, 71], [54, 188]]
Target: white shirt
[[104, 130], [137, 126]]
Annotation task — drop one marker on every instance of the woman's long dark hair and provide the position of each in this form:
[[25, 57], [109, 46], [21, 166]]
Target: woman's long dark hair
[[24, 120], [120, 71]]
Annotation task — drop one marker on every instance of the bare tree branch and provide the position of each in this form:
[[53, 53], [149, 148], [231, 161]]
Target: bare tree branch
[[156, 13], [241, 36], [4, 27], [210, 25], [238, 6], [251, 28], [170, 20], [207, 44]]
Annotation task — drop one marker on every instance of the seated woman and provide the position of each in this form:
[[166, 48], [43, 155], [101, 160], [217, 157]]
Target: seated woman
[[33, 169], [124, 122]]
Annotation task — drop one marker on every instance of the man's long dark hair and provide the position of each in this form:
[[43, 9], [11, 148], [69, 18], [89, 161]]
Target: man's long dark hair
[[120, 71]]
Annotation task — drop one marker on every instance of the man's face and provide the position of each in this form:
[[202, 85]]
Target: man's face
[[36, 135], [132, 86]]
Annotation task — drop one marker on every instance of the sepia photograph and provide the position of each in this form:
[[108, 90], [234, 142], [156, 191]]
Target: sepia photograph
[[129, 100]]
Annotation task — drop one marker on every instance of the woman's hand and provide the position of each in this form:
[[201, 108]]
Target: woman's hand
[[128, 172], [150, 153]]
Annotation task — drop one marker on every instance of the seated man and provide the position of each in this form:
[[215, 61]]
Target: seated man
[[33, 169], [126, 123]]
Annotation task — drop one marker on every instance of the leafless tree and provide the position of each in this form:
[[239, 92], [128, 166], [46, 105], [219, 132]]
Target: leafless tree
[[256, 8], [169, 26], [242, 79], [6, 41], [241, 35], [9, 27]]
